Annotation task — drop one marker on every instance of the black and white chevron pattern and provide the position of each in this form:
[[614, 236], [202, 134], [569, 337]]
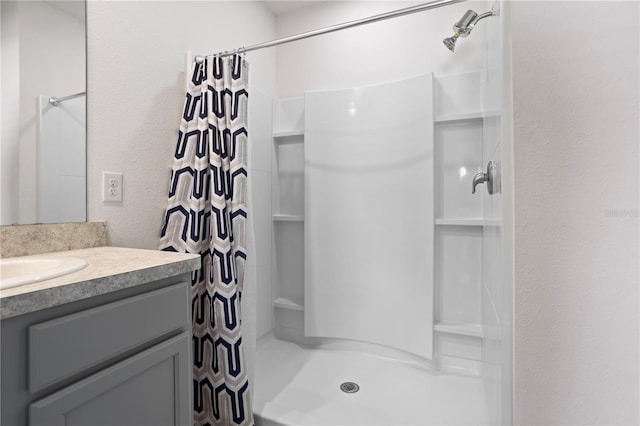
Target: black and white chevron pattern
[[206, 214]]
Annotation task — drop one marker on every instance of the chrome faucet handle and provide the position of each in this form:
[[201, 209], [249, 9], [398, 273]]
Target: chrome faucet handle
[[491, 177], [478, 179]]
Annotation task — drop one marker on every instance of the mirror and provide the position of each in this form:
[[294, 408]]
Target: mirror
[[43, 112]]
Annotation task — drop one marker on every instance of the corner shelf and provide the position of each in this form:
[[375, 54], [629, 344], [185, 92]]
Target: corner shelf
[[288, 218], [464, 329], [284, 303]]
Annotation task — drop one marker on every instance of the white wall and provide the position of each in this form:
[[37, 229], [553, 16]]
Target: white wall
[[381, 52], [575, 101], [136, 53]]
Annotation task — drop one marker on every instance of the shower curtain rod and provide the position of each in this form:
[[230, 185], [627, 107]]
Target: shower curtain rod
[[56, 101], [338, 27]]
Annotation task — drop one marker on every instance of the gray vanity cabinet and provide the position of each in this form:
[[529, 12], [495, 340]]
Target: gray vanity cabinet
[[123, 358]]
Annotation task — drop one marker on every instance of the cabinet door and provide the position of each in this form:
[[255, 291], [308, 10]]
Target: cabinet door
[[151, 388]]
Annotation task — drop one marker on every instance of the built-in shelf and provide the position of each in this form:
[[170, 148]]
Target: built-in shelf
[[467, 222], [461, 222], [288, 218], [451, 118], [464, 329], [284, 303], [294, 136]]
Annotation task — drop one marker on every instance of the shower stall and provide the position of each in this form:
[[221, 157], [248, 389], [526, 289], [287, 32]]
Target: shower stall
[[381, 296], [61, 168]]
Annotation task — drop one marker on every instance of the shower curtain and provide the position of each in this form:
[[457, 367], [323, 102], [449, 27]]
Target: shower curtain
[[207, 215]]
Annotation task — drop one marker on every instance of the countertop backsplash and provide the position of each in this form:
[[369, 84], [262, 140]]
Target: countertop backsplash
[[25, 240]]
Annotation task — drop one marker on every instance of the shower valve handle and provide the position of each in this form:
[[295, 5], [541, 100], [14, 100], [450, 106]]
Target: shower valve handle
[[487, 177]]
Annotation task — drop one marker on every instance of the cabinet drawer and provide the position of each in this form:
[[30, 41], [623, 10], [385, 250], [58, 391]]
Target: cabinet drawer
[[69, 345]]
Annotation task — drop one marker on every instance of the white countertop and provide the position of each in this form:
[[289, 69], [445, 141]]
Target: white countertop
[[109, 269]]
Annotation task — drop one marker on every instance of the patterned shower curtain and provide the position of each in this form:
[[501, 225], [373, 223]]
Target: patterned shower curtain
[[207, 214]]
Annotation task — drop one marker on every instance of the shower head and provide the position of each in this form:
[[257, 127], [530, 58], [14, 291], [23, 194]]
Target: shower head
[[450, 42], [464, 26]]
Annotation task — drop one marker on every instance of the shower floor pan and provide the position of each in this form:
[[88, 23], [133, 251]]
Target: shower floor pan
[[297, 385]]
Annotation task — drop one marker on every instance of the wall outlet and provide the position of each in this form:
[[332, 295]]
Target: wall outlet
[[111, 187]]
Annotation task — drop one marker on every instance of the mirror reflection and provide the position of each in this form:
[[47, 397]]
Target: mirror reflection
[[43, 112]]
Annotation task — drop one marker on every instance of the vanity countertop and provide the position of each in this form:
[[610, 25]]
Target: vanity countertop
[[109, 269]]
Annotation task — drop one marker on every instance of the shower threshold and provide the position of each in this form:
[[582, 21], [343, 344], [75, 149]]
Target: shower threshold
[[297, 385]]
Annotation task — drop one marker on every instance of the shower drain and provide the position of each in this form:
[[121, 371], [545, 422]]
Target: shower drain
[[349, 387]]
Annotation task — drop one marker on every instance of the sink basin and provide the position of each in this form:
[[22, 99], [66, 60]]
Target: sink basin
[[16, 271]]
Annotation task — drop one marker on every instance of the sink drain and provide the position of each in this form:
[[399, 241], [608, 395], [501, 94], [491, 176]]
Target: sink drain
[[349, 387]]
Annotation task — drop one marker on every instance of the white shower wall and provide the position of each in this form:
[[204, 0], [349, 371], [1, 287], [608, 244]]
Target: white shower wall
[[458, 224], [368, 214], [496, 258], [358, 57], [61, 160]]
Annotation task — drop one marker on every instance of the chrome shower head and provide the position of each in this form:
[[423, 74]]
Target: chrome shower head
[[464, 26], [450, 42]]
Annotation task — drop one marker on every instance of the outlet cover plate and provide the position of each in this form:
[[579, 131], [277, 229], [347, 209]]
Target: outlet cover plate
[[111, 187]]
